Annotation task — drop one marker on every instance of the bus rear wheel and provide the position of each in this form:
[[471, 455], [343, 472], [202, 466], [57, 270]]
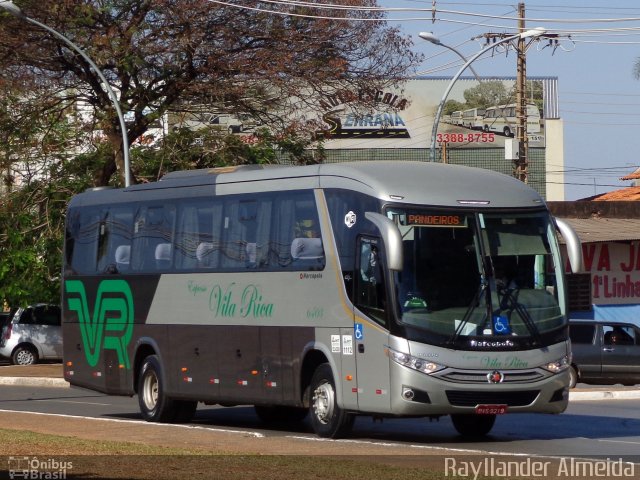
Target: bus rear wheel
[[327, 418], [473, 426], [154, 404]]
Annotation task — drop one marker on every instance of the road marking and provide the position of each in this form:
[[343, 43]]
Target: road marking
[[69, 401], [620, 441], [141, 422], [450, 449]]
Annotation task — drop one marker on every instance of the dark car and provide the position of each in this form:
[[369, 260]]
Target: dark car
[[605, 353]]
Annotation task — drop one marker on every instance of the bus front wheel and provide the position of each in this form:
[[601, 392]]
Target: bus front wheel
[[473, 426], [155, 406], [327, 418]]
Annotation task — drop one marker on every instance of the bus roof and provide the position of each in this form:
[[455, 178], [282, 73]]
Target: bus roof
[[420, 183]]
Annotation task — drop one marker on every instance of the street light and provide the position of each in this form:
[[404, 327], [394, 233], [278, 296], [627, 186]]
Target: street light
[[16, 12], [535, 32], [430, 37]]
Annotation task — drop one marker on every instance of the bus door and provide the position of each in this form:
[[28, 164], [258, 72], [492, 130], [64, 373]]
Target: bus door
[[370, 333]]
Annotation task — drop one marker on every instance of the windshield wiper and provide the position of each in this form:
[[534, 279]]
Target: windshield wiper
[[467, 315], [510, 302]]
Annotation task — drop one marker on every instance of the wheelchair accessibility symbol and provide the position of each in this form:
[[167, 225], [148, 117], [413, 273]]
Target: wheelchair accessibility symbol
[[358, 332], [501, 325]]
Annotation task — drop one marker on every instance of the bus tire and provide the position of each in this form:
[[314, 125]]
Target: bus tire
[[155, 406], [507, 132], [276, 414], [327, 418], [472, 425]]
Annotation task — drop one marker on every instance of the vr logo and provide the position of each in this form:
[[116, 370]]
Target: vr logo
[[112, 318]]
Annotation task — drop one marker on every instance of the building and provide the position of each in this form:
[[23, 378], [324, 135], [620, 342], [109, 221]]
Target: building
[[609, 228], [400, 126]]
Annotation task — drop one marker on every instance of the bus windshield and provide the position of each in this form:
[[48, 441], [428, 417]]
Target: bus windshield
[[478, 277]]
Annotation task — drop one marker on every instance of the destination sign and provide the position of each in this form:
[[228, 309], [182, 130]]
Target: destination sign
[[436, 220]]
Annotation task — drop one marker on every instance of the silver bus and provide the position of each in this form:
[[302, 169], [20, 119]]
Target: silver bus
[[371, 288], [502, 119], [473, 118]]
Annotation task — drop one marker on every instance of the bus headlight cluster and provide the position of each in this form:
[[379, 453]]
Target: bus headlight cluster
[[419, 364], [559, 366]]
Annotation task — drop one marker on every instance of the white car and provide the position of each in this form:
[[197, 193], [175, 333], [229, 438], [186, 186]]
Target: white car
[[32, 334]]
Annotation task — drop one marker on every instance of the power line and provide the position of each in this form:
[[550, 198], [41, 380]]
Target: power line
[[352, 8]]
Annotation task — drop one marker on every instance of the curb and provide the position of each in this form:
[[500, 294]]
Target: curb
[[34, 382], [604, 395]]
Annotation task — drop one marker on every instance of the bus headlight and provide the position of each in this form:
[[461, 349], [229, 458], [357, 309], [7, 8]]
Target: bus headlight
[[559, 366], [419, 364]]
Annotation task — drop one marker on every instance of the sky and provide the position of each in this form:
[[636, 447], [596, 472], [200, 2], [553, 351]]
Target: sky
[[599, 97]]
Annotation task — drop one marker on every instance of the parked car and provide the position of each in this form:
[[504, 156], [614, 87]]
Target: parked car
[[604, 353], [32, 334], [233, 124]]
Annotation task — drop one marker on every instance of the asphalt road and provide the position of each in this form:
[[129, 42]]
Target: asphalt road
[[589, 429]]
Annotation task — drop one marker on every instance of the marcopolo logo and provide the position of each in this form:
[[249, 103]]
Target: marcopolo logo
[[111, 325]]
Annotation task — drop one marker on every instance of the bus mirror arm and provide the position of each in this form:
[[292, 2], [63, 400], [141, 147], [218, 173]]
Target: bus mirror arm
[[390, 236], [574, 246]]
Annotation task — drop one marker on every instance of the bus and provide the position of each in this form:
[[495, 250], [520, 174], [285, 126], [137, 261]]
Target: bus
[[473, 118], [502, 119], [381, 288], [456, 118]]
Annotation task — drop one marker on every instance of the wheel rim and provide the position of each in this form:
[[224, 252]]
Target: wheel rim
[[323, 402], [150, 389], [24, 357]]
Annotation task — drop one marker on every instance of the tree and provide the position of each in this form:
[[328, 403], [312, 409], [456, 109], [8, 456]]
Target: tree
[[486, 94], [451, 106], [159, 54]]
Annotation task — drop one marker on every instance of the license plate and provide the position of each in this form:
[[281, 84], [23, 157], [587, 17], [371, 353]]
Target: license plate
[[491, 409]]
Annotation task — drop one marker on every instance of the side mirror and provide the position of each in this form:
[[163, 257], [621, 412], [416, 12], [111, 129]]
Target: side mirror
[[574, 246], [390, 236]]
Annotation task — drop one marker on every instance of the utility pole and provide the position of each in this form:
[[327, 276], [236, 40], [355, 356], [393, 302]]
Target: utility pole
[[521, 167], [521, 163]]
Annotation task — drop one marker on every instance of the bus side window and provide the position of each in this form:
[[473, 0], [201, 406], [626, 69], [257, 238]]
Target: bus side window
[[233, 243], [307, 251], [115, 233], [279, 249], [153, 226], [371, 295], [83, 228], [197, 239]]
